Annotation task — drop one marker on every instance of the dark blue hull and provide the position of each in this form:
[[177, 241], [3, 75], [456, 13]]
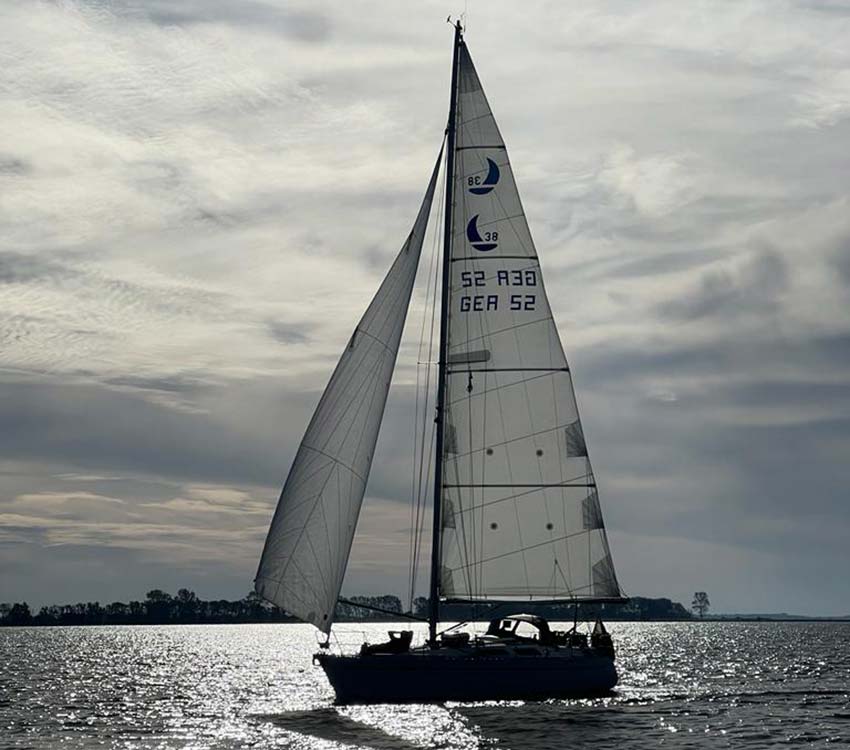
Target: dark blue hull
[[427, 676]]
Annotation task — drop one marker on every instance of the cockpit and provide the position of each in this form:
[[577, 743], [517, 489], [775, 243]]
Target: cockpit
[[521, 628]]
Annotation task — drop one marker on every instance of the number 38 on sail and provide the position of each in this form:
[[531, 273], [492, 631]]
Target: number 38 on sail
[[516, 515]]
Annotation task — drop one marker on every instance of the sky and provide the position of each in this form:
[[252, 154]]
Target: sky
[[198, 199]]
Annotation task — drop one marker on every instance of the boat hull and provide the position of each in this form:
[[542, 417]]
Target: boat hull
[[428, 676]]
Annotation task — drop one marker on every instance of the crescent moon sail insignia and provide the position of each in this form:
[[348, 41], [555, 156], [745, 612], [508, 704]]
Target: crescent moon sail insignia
[[482, 244], [489, 181]]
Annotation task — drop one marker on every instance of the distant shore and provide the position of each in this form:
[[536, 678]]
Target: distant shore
[[35, 622], [161, 608], [773, 618]]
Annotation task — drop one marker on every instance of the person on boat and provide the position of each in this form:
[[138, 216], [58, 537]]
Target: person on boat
[[398, 643], [600, 639]]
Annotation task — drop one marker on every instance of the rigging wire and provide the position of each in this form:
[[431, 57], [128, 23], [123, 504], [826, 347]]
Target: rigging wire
[[425, 446], [420, 479]]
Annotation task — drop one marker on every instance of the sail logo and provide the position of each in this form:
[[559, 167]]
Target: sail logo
[[477, 186], [483, 243]]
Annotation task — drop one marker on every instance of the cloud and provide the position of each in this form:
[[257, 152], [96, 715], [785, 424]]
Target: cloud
[[288, 333], [827, 102], [194, 530], [12, 166], [302, 25], [753, 287], [18, 268], [656, 184]]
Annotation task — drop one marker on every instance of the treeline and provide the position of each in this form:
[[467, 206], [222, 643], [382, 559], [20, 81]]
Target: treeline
[[161, 608], [158, 608]]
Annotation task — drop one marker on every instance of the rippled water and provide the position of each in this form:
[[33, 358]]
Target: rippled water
[[684, 685]]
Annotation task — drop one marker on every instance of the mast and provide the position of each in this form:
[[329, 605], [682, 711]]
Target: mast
[[434, 595]]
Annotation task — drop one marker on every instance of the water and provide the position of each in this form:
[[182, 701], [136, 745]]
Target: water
[[683, 685]]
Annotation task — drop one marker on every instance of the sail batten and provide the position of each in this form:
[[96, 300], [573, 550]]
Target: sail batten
[[309, 541], [522, 520]]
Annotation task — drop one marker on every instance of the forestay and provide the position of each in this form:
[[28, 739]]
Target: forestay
[[520, 513], [307, 548]]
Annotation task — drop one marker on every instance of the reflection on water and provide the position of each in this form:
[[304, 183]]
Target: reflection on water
[[682, 685]]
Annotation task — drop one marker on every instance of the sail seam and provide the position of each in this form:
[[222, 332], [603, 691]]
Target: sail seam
[[501, 218], [336, 461], [331, 404], [291, 559], [393, 289], [527, 436], [532, 546], [505, 330], [493, 257], [374, 338], [353, 398], [488, 113], [506, 498]]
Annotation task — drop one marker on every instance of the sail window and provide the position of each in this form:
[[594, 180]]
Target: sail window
[[590, 512], [576, 446], [450, 439], [448, 517], [446, 578], [604, 581]]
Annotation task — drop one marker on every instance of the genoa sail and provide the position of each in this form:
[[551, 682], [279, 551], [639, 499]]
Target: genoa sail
[[520, 513], [308, 544]]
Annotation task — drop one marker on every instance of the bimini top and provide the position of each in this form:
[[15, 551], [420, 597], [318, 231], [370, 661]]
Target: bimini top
[[500, 625]]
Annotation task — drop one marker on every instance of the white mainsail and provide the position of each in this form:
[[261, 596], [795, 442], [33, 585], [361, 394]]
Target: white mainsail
[[520, 514], [307, 548]]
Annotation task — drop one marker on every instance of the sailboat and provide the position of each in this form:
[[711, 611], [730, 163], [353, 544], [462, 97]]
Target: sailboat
[[516, 514]]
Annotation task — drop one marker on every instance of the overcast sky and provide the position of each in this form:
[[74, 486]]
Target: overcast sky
[[198, 199]]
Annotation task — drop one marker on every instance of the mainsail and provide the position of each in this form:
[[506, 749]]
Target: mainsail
[[308, 544], [520, 513]]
